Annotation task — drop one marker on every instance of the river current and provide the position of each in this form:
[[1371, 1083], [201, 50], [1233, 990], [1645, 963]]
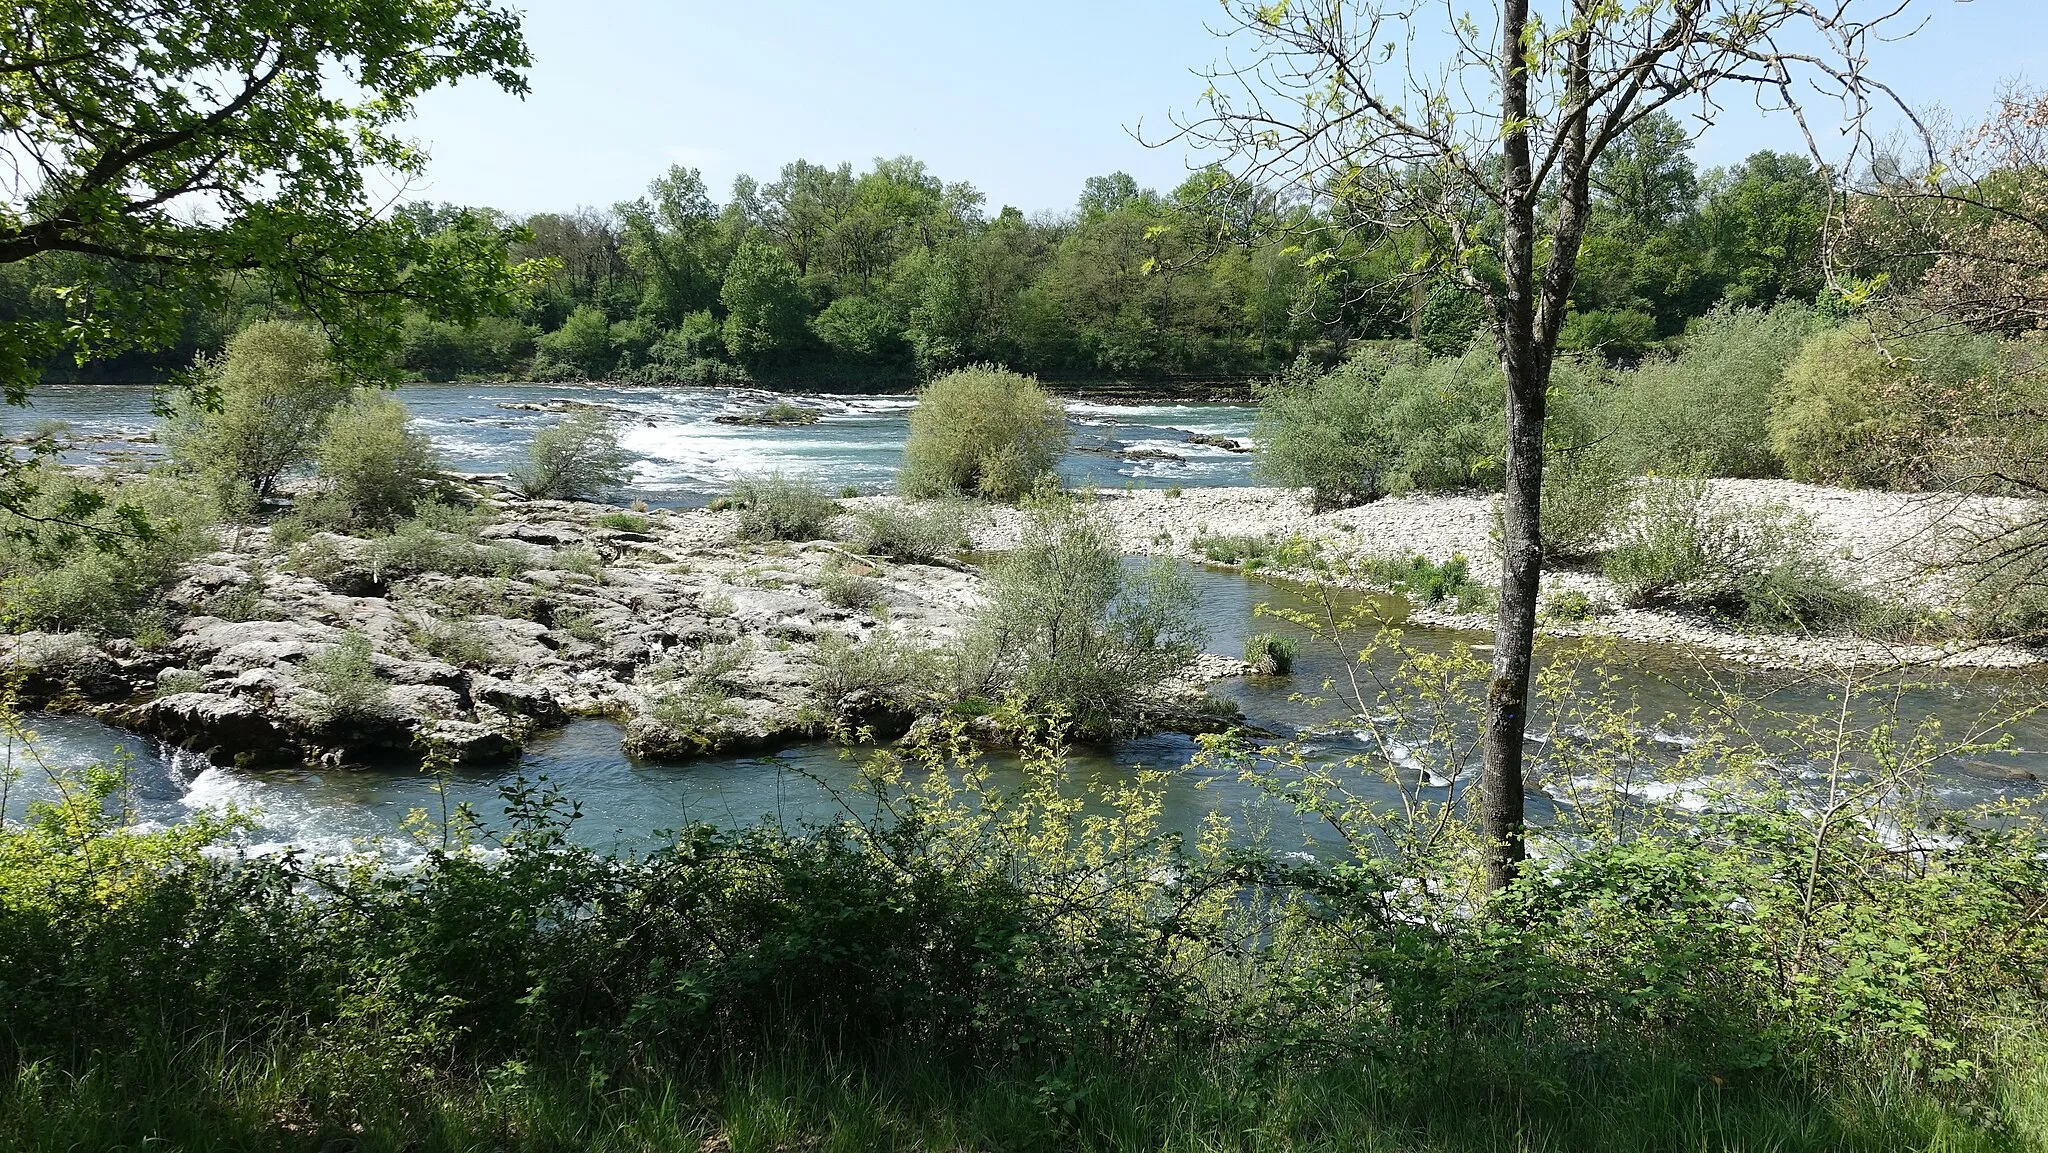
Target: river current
[[687, 457]]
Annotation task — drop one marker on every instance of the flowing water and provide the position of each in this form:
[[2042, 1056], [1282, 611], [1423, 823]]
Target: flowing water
[[626, 803], [687, 457]]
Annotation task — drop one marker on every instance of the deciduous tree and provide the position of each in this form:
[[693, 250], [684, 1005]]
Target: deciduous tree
[[172, 143], [1486, 130]]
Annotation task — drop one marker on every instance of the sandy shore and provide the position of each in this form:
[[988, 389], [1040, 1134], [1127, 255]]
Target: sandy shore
[[1894, 544]]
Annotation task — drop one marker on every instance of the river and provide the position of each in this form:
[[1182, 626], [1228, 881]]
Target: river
[[626, 803], [687, 457]]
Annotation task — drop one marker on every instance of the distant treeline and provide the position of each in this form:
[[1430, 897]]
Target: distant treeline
[[886, 276]]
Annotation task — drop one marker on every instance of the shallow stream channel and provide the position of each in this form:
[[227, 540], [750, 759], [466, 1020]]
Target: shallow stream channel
[[627, 804]]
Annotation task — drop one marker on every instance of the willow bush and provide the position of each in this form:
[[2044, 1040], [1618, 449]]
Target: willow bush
[[911, 533], [1070, 630], [1759, 565], [576, 458], [1867, 410], [1390, 420], [376, 469], [981, 431], [259, 413], [780, 507], [1708, 407]]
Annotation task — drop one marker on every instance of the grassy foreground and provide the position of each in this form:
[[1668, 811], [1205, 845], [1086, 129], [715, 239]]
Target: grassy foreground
[[201, 1095], [1029, 967]]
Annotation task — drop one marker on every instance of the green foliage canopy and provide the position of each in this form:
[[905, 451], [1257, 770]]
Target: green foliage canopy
[[168, 145]]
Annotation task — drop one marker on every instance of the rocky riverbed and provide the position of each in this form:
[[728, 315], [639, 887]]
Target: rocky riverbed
[[469, 641], [1896, 545], [473, 639]]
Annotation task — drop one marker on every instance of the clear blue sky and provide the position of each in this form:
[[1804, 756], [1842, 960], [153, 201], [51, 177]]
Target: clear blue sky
[[1022, 98]]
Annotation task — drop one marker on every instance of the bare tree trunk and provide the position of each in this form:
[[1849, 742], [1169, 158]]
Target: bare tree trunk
[[1521, 360], [1532, 308], [1514, 634]]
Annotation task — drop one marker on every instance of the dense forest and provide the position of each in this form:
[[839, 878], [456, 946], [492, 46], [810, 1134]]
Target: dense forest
[[879, 278]]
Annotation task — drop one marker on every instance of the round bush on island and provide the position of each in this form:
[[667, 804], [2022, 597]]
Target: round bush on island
[[981, 431]]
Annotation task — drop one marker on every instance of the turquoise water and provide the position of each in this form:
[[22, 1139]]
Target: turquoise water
[[625, 803], [686, 457]]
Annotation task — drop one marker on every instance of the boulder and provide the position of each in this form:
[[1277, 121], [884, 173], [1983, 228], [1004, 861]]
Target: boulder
[[470, 742], [235, 730], [52, 665]]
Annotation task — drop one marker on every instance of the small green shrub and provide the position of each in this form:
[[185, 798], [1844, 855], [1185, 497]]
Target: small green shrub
[[1271, 654], [624, 522], [884, 667], [290, 531], [1760, 565], [576, 458], [847, 589], [696, 700], [456, 642], [778, 507], [2004, 577], [981, 431], [691, 710], [1565, 606], [578, 559], [910, 533], [346, 676], [438, 539], [376, 469], [318, 559], [1585, 493], [1068, 629], [1429, 584], [1260, 552], [171, 682], [243, 602], [719, 663], [274, 388], [579, 625]]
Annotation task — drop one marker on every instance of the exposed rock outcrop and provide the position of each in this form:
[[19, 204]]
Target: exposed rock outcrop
[[474, 640]]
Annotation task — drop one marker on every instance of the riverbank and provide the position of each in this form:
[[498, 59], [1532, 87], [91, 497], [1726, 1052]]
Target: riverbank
[[470, 637], [1895, 545], [466, 637]]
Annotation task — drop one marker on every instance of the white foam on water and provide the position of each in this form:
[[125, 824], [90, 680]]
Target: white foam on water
[[214, 790], [1160, 444], [1128, 413], [702, 452]]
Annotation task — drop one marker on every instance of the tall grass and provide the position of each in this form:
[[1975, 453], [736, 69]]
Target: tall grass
[[201, 1096]]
